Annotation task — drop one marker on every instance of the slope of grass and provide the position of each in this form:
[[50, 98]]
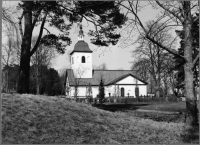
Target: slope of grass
[[47, 120]]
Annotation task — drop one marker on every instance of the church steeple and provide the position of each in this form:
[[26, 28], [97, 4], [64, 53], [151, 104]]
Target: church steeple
[[80, 35], [81, 58]]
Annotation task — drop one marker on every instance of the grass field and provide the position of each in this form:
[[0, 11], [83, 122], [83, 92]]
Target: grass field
[[29, 119], [168, 106], [157, 111], [164, 106]]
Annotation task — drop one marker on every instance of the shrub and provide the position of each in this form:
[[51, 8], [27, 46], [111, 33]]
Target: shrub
[[137, 91], [101, 95]]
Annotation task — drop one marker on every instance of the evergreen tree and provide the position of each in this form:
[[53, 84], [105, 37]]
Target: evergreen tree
[[50, 82], [10, 78], [105, 16], [54, 86], [179, 67], [101, 92], [137, 91], [43, 79]]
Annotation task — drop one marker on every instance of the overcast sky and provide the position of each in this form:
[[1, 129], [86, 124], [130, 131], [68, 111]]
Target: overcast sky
[[115, 57]]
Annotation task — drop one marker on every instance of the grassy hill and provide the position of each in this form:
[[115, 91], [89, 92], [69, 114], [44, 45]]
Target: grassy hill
[[34, 119]]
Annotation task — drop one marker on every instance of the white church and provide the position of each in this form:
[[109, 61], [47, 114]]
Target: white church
[[117, 83]]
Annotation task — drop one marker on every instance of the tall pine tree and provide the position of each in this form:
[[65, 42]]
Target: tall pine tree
[[104, 15], [101, 92]]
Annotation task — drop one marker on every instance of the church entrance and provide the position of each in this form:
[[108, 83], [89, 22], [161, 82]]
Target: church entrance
[[122, 92]]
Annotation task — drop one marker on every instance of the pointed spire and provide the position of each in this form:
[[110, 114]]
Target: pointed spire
[[80, 35]]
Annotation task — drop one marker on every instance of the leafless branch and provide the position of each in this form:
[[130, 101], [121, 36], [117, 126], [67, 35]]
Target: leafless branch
[[47, 30], [171, 12], [195, 61]]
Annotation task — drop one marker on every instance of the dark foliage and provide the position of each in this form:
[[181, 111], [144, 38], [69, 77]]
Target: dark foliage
[[61, 15], [101, 92], [63, 84], [137, 92], [55, 41], [179, 62], [54, 86], [10, 78], [50, 82], [108, 19]]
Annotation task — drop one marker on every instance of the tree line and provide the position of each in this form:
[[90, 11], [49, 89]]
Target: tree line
[[49, 82]]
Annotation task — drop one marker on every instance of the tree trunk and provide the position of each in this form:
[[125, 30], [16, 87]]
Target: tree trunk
[[23, 83], [37, 81], [191, 106], [158, 71], [37, 73], [157, 91], [157, 88], [7, 78]]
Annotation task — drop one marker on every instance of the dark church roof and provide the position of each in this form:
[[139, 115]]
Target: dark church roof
[[81, 46], [109, 76]]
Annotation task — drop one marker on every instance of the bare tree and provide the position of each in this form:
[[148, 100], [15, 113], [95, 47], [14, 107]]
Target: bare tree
[[8, 50], [8, 16], [89, 92], [153, 53], [141, 67], [102, 66], [173, 14], [116, 92], [167, 75], [8, 55], [10, 29], [77, 81], [7, 61]]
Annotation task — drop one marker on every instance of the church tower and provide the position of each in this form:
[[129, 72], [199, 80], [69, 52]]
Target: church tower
[[81, 58]]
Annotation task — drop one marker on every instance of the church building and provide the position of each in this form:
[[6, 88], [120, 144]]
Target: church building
[[82, 79]]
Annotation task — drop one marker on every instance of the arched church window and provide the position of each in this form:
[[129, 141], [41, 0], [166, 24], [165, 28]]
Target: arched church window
[[83, 59]]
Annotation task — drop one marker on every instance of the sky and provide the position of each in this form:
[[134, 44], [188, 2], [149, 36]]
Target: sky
[[115, 57]]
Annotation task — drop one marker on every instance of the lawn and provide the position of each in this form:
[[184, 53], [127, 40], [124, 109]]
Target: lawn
[[158, 111], [30, 119], [160, 106], [166, 106]]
